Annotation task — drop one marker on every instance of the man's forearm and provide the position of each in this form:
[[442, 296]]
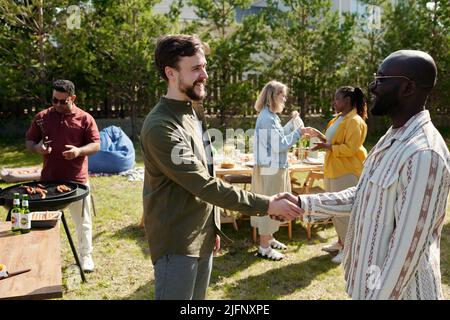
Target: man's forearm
[[89, 149], [336, 204]]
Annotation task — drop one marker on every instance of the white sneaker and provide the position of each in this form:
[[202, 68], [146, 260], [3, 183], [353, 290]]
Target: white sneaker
[[274, 243], [270, 253], [87, 263], [338, 258], [332, 247]]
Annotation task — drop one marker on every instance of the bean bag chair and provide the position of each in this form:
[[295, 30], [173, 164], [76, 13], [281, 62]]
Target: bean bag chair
[[116, 152]]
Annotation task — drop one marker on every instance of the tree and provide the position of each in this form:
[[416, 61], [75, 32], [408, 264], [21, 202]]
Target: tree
[[111, 56], [232, 46], [26, 49], [310, 45], [410, 24], [422, 25]]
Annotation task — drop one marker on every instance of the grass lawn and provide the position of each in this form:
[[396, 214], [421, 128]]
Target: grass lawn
[[124, 269]]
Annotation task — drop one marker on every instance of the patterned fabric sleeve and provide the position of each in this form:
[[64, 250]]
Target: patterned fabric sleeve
[[422, 190], [333, 204]]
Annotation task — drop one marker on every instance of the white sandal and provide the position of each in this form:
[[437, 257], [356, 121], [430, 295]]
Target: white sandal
[[270, 253], [274, 243]]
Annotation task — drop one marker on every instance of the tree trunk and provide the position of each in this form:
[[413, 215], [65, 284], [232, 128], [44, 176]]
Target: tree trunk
[[41, 39], [135, 87]]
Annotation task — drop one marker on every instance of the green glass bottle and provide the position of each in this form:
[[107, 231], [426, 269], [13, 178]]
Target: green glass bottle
[[15, 213], [25, 216]]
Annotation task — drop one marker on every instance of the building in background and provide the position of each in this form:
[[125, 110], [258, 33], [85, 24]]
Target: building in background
[[188, 13]]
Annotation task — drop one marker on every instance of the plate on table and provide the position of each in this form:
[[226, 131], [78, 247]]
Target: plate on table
[[313, 161], [44, 219], [227, 165], [249, 164]]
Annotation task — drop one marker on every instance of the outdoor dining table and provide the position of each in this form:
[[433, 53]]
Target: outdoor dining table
[[39, 251], [244, 169]]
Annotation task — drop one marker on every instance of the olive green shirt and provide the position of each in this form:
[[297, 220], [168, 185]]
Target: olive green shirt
[[179, 192]]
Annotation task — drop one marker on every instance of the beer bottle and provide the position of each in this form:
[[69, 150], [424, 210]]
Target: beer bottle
[[25, 216], [15, 213]]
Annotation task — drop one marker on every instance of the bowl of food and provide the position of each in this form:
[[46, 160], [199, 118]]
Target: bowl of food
[[227, 165], [44, 219]]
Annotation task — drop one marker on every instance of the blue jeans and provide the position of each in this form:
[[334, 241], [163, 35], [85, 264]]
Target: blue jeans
[[180, 277]]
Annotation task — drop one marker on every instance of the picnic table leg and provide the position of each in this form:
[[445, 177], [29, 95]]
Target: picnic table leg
[[74, 251]]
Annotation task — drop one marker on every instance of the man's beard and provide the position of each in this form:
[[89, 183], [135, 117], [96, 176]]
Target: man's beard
[[386, 104], [190, 90]]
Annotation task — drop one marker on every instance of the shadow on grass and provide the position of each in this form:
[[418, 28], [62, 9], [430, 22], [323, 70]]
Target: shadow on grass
[[98, 235], [445, 254], [277, 282], [298, 232], [136, 233], [240, 255], [145, 292]]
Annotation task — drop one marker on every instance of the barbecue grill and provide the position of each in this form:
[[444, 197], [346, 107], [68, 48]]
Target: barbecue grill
[[52, 202]]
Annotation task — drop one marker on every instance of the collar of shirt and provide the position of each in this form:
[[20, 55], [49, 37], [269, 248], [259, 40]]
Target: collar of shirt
[[192, 109], [405, 132], [178, 106], [350, 114], [415, 122]]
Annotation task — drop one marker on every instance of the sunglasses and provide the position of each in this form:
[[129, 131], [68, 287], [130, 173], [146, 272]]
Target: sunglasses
[[377, 79], [61, 102]]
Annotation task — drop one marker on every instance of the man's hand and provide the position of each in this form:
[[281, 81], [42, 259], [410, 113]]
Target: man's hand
[[72, 153], [41, 148], [321, 145], [289, 196], [216, 246], [284, 207]]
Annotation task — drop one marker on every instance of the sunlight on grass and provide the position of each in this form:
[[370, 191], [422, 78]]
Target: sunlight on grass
[[16, 155]]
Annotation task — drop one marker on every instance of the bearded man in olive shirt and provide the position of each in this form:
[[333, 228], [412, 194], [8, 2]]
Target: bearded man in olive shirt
[[180, 191]]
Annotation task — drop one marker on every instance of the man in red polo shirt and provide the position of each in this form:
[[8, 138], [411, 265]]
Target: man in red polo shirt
[[65, 135]]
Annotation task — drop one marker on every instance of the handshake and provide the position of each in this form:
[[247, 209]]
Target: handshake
[[284, 207]]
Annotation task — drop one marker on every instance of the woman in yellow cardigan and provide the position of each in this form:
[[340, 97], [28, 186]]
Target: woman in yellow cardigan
[[345, 153]]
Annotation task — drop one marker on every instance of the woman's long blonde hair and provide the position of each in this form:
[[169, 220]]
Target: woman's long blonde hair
[[267, 96]]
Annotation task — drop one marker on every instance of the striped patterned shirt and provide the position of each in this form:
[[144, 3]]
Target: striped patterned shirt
[[396, 212]]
